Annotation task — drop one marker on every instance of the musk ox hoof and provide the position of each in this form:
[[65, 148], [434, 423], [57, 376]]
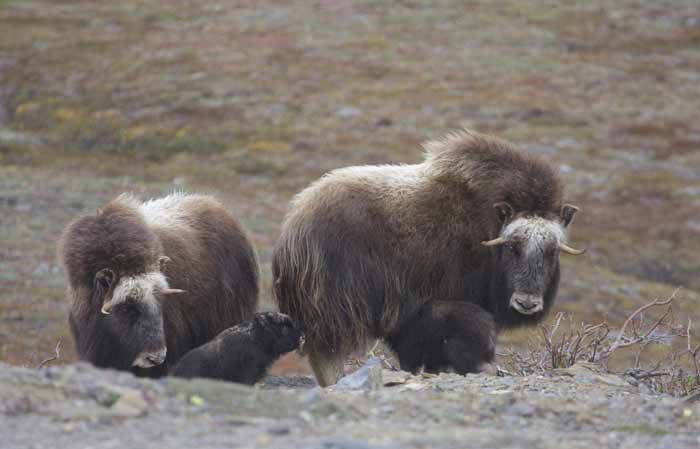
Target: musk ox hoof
[[489, 368]]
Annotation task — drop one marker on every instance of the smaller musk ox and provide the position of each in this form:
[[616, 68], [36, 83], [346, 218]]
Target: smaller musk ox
[[151, 280], [444, 335], [242, 353], [365, 251]]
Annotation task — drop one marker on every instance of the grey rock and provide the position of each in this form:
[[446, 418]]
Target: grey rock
[[393, 378], [368, 377], [130, 404]]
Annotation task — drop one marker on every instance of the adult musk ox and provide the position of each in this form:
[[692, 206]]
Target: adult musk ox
[[151, 280], [244, 352], [364, 249]]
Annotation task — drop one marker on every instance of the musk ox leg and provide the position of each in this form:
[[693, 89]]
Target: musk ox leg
[[327, 369]]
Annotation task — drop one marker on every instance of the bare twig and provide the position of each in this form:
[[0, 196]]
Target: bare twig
[[56, 356], [621, 341]]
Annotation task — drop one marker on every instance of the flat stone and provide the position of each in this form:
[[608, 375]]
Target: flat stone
[[368, 377]]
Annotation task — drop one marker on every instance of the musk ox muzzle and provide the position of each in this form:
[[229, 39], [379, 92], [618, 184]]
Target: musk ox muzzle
[[149, 359], [526, 304]]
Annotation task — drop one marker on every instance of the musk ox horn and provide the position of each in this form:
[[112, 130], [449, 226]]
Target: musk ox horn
[[106, 307], [494, 242], [569, 250], [171, 291]]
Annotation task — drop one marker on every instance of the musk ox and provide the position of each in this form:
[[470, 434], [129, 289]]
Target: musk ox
[[363, 249], [242, 353], [151, 280]]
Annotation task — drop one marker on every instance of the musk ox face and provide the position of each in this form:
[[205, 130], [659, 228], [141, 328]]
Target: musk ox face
[[278, 332], [132, 313], [528, 252]]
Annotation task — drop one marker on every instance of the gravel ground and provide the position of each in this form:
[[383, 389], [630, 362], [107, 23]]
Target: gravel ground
[[78, 406]]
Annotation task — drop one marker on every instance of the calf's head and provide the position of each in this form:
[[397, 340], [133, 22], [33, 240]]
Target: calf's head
[[277, 332], [528, 249]]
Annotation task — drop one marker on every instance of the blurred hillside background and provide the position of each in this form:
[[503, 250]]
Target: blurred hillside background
[[252, 100]]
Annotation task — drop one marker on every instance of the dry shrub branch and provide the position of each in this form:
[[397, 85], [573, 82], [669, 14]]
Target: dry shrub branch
[[564, 343], [56, 356]]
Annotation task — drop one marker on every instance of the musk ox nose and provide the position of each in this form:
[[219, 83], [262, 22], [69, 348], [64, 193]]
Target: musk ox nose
[[148, 359], [525, 303], [156, 359]]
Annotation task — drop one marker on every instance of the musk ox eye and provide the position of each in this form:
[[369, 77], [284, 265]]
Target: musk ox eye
[[162, 262], [513, 249]]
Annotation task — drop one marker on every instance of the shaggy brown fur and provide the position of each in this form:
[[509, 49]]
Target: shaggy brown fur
[[363, 248], [210, 258]]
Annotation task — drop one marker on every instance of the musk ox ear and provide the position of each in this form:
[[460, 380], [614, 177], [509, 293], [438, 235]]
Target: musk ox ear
[[567, 213], [504, 210], [104, 279]]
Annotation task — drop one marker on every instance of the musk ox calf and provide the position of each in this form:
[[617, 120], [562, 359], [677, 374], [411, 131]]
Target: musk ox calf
[[445, 335], [151, 280], [364, 249], [242, 353]]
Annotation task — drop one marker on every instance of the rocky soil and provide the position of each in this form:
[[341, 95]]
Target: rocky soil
[[78, 406]]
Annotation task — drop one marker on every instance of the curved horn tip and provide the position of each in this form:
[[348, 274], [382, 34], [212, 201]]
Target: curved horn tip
[[494, 242], [172, 291], [573, 251], [105, 310]]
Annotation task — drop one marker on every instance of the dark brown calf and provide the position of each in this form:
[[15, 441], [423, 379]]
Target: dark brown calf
[[242, 353]]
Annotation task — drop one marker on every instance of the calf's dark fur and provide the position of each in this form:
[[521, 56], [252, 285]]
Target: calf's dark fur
[[445, 335], [242, 353]]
